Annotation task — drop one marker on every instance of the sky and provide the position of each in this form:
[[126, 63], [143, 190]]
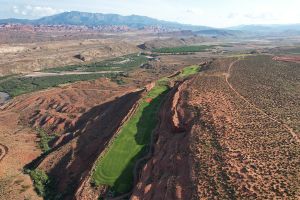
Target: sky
[[214, 13]]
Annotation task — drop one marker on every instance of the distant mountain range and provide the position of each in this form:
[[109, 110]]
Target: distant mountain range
[[139, 22], [267, 29], [99, 19]]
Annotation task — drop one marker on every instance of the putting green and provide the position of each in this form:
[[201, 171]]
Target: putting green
[[189, 70]]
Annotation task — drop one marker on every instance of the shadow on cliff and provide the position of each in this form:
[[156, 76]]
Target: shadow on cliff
[[145, 127], [76, 156]]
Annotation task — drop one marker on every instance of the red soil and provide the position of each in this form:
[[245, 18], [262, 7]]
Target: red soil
[[235, 156], [287, 58], [58, 109], [18, 147], [91, 134], [213, 143], [3, 151], [85, 116], [82, 108]]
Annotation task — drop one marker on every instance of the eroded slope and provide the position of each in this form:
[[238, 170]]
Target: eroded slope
[[225, 148]]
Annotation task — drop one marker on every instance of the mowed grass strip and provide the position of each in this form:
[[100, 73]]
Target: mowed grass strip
[[115, 168], [184, 49]]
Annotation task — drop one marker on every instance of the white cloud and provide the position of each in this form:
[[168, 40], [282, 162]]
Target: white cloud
[[252, 16], [189, 16], [16, 10], [35, 11], [195, 11]]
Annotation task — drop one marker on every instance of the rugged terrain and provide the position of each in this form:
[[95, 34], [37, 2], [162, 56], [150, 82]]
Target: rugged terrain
[[24, 58], [214, 141], [70, 114], [180, 118]]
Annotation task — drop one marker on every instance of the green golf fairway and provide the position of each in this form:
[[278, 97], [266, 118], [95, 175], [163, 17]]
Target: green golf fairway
[[115, 168]]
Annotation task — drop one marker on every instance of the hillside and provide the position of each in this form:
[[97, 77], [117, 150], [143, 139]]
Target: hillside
[[99, 19], [92, 20], [188, 118], [269, 29]]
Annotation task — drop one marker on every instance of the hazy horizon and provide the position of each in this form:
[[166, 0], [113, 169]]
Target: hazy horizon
[[214, 13]]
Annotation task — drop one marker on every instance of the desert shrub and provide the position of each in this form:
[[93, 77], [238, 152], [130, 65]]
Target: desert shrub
[[45, 138], [44, 185], [40, 181]]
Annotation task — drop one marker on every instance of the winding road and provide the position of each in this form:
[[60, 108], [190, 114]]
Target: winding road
[[47, 74], [289, 129], [3, 151]]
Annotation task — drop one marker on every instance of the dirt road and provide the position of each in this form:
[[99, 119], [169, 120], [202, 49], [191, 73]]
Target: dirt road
[[3, 151], [289, 129]]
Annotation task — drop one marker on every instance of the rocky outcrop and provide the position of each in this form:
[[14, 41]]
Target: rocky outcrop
[[167, 174], [80, 57], [72, 163]]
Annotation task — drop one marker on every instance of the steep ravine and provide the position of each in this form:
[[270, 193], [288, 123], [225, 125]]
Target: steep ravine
[[167, 174], [163, 171], [71, 163]]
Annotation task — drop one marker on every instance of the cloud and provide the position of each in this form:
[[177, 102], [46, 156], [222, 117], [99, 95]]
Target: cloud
[[194, 11], [251, 16], [16, 10], [35, 11], [232, 15], [260, 16]]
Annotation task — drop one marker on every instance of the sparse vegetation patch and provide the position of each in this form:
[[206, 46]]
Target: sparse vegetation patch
[[20, 85], [45, 138], [184, 49], [123, 63]]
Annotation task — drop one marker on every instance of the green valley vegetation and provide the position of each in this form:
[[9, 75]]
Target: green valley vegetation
[[40, 181], [184, 49], [122, 63], [44, 185], [21, 85], [114, 69]]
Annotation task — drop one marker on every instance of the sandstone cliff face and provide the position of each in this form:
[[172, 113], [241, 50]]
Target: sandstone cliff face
[[86, 115], [71, 163], [167, 174], [57, 110], [213, 143]]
